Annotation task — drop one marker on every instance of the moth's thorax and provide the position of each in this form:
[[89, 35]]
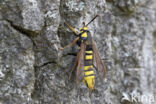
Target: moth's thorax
[[85, 36]]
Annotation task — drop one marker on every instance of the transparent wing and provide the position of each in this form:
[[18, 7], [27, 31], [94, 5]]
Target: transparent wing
[[80, 67], [99, 63]]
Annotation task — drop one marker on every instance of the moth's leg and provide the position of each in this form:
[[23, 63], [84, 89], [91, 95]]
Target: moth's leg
[[94, 66], [72, 29], [75, 64], [69, 45]]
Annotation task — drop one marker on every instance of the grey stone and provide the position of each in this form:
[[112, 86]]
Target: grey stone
[[34, 71]]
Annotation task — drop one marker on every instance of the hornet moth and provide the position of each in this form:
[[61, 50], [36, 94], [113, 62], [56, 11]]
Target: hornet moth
[[86, 56]]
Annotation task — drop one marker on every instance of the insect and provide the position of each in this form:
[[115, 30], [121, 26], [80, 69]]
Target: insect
[[88, 53]]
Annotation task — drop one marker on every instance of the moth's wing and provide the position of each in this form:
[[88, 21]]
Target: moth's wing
[[80, 67], [99, 63]]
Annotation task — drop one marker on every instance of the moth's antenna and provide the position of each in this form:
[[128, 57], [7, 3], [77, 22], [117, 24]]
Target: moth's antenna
[[83, 23], [92, 20]]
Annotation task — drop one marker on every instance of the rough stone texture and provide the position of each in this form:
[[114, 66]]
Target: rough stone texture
[[16, 66], [34, 71]]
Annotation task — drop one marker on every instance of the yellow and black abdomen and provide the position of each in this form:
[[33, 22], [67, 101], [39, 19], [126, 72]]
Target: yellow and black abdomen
[[89, 78]]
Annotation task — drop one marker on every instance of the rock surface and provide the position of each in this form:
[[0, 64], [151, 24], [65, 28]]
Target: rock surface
[[34, 71]]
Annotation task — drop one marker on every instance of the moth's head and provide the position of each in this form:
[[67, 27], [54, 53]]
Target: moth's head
[[83, 28]]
